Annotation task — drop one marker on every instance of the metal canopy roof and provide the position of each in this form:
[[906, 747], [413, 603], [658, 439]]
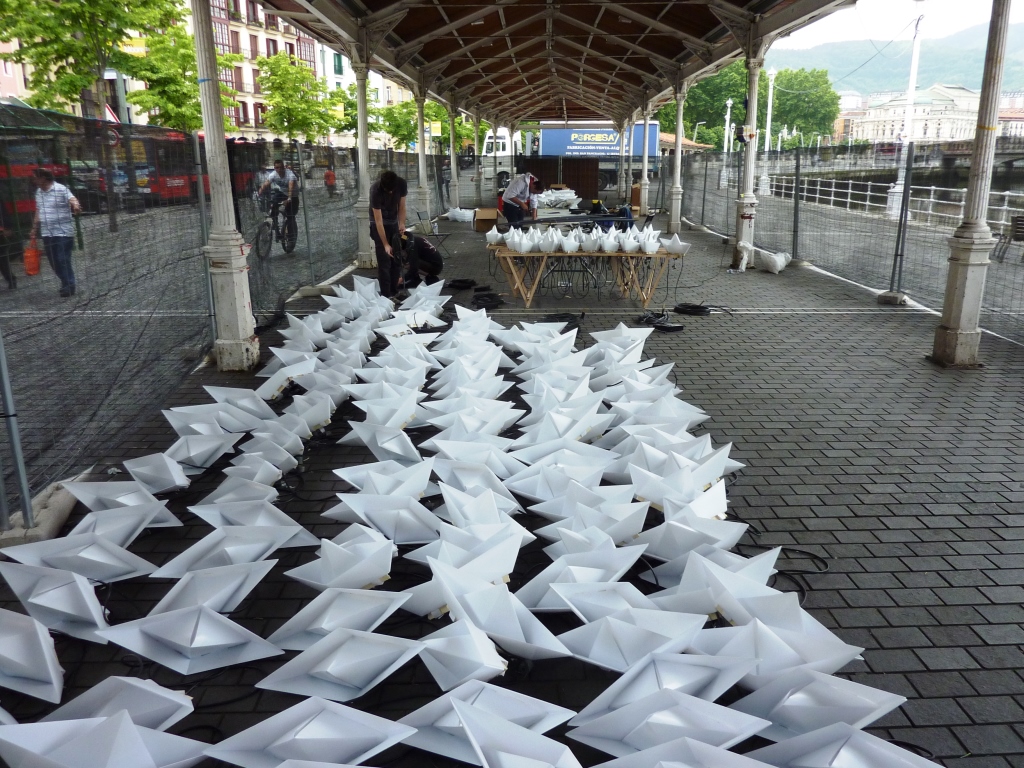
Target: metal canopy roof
[[515, 60]]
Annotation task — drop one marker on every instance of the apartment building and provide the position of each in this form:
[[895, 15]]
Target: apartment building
[[12, 76]]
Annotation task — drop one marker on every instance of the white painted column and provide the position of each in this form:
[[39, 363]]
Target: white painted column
[[723, 176], [452, 143], [619, 187], [957, 338], [423, 189], [630, 151], [764, 183], [746, 203], [236, 348], [367, 254], [675, 195], [478, 175], [645, 182], [494, 157]]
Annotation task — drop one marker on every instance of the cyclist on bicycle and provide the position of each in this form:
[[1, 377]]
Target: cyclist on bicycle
[[283, 183]]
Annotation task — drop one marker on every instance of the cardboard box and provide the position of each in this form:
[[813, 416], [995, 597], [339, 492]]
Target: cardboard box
[[484, 219], [557, 186]]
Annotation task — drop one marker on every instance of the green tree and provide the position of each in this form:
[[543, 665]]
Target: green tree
[[300, 103], [804, 99], [399, 122], [71, 43], [171, 76]]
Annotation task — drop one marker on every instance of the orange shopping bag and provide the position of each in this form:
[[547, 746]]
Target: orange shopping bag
[[32, 258]]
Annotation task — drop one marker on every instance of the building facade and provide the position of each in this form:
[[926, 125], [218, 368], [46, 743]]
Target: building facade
[[12, 76], [941, 113]]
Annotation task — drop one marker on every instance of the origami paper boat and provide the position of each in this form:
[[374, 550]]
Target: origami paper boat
[[254, 467], [592, 601], [87, 554], [119, 526], [28, 661], [190, 640], [706, 677], [666, 716], [439, 729], [458, 653], [617, 642], [269, 451], [148, 705], [804, 700], [194, 453], [351, 566], [227, 546], [359, 609], [838, 745], [401, 518], [684, 753], [239, 489], [587, 567], [499, 743], [109, 742], [125, 493], [60, 600], [254, 513], [342, 666], [386, 443], [314, 729], [157, 473], [220, 589], [246, 399]]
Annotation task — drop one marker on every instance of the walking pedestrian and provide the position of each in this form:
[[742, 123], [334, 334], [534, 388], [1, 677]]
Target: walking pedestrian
[[54, 207]]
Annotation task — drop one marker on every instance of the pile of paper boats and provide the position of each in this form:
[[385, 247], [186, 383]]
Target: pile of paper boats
[[486, 439]]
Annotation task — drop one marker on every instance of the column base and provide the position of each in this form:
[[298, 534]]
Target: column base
[[956, 349], [366, 254], [645, 190], [237, 354], [675, 205], [746, 211]]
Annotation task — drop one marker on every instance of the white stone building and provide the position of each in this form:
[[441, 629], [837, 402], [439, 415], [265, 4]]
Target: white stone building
[[941, 113]]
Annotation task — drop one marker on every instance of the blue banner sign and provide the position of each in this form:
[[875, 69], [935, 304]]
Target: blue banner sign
[[594, 142]]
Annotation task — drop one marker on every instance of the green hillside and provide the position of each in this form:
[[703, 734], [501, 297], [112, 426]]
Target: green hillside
[[955, 60]]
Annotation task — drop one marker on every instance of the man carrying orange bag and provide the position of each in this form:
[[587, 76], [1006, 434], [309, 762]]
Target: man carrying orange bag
[[54, 206]]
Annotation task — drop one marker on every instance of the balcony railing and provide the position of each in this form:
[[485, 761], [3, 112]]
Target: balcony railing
[[290, 30]]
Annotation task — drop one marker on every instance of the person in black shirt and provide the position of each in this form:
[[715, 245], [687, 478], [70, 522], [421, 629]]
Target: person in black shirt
[[387, 207]]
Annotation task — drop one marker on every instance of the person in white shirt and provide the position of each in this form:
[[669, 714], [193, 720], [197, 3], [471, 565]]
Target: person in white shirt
[[517, 198], [54, 208]]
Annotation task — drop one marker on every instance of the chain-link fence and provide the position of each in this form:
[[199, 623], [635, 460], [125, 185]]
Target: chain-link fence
[[843, 204]]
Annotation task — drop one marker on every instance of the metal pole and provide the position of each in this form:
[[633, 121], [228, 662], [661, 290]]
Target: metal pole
[[5, 513], [204, 228], [704, 199], [11, 416], [896, 278], [796, 208], [305, 214]]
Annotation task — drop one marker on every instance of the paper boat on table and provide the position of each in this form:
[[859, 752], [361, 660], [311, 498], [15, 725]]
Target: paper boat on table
[[804, 700], [674, 245], [706, 677], [60, 600], [838, 745], [776, 650], [220, 589], [227, 546], [190, 640], [666, 716], [157, 473], [119, 526], [684, 753], [359, 609], [342, 666], [254, 513], [87, 554], [148, 705], [315, 730], [619, 641], [460, 652], [28, 661], [350, 566], [499, 743], [439, 729], [507, 622], [99, 742]]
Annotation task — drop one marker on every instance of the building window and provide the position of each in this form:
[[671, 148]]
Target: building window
[[254, 47], [289, 48], [219, 9], [339, 68], [238, 84], [221, 39], [7, 67], [252, 11], [271, 47], [236, 42], [271, 21], [234, 10], [256, 81], [337, 85], [258, 111], [387, 93], [307, 50], [245, 113]]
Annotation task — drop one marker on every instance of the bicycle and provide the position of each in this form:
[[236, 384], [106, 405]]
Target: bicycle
[[270, 230]]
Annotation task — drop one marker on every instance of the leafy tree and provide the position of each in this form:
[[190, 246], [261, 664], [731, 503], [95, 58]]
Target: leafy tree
[[803, 98], [399, 122], [70, 44], [172, 81], [300, 103]]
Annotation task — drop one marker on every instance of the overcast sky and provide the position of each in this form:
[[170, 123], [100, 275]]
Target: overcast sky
[[884, 20]]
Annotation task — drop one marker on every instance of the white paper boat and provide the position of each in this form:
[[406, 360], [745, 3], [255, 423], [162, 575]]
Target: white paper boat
[[148, 705], [360, 609], [28, 661]]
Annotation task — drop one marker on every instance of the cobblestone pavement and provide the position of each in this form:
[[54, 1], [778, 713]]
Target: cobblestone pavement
[[907, 478]]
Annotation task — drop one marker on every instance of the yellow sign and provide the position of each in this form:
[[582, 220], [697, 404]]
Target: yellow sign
[[433, 128], [134, 46]]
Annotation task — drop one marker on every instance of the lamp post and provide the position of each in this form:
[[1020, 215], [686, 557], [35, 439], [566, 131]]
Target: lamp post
[[764, 183], [726, 140], [696, 128], [895, 197]]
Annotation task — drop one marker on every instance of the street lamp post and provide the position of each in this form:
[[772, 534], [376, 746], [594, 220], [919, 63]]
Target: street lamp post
[[696, 128], [895, 197], [763, 183], [728, 117]]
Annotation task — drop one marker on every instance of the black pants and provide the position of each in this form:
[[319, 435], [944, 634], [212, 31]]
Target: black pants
[[289, 226], [389, 268], [513, 214]]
